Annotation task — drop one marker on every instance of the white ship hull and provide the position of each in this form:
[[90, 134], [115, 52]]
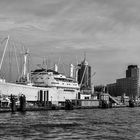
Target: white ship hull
[[52, 94]]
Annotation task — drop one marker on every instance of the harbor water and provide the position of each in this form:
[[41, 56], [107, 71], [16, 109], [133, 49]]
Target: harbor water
[[94, 124]]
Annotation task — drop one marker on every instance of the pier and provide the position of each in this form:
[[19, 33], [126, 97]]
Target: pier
[[105, 101]]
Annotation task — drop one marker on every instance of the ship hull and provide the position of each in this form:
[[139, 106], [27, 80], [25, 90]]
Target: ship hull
[[32, 93]]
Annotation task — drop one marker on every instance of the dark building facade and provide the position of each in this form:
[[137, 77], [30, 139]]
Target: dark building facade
[[128, 85], [112, 89], [84, 75], [132, 71]]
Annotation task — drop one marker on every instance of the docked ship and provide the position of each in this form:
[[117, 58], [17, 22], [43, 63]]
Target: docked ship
[[44, 85], [52, 78]]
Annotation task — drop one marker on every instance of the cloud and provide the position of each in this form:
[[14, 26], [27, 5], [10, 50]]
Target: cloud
[[108, 30]]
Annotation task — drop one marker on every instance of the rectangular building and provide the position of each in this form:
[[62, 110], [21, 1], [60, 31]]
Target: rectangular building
[[128, 86]]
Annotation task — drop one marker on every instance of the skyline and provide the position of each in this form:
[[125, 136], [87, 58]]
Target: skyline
[[108, 30]]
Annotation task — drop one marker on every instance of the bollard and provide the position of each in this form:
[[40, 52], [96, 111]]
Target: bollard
[[68, 105], [132, 103], [13, 104], [22, 100]]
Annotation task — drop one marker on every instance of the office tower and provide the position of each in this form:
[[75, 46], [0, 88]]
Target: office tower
[[84, 75], [132, 71], [128, 85]]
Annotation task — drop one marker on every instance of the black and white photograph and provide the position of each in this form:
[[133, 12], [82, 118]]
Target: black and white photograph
[[69, 69]]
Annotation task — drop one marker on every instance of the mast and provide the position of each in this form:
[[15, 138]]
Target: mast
[[16, 58], [4, 52], [56, 67], [71, 70], [25, 74], [25, 64]]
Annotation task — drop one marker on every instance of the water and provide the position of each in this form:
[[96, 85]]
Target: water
[[94, 124]]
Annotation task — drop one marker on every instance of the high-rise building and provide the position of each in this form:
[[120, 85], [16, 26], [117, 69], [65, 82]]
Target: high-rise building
[[84, 75], [128, 85], [132, 71]]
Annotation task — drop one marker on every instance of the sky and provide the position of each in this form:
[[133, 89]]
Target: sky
[[62, 30]]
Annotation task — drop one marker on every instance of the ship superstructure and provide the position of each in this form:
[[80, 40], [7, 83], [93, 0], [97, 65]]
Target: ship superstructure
[[51, 78]]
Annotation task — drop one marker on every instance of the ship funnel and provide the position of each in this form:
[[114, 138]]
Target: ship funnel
[[71, 70], [56, 68]]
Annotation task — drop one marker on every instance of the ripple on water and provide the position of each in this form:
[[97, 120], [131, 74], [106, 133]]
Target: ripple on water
[[98, 124]]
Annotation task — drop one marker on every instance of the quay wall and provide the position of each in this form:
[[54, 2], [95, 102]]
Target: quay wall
[[86, 102], [90, 103]]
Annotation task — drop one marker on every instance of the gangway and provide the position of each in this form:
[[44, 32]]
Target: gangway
[[117, 102]]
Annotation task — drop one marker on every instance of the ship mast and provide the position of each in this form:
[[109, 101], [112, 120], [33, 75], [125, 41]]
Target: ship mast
[[25, 73], [25, 64], [4, 52]]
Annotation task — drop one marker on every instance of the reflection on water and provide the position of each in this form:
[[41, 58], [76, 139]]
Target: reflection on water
[[97, 124]]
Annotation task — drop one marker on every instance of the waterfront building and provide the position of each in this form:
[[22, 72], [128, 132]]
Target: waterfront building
[[112, 89], [128, 85]]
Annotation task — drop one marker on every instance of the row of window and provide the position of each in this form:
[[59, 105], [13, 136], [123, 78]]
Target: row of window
[[63, 83]]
